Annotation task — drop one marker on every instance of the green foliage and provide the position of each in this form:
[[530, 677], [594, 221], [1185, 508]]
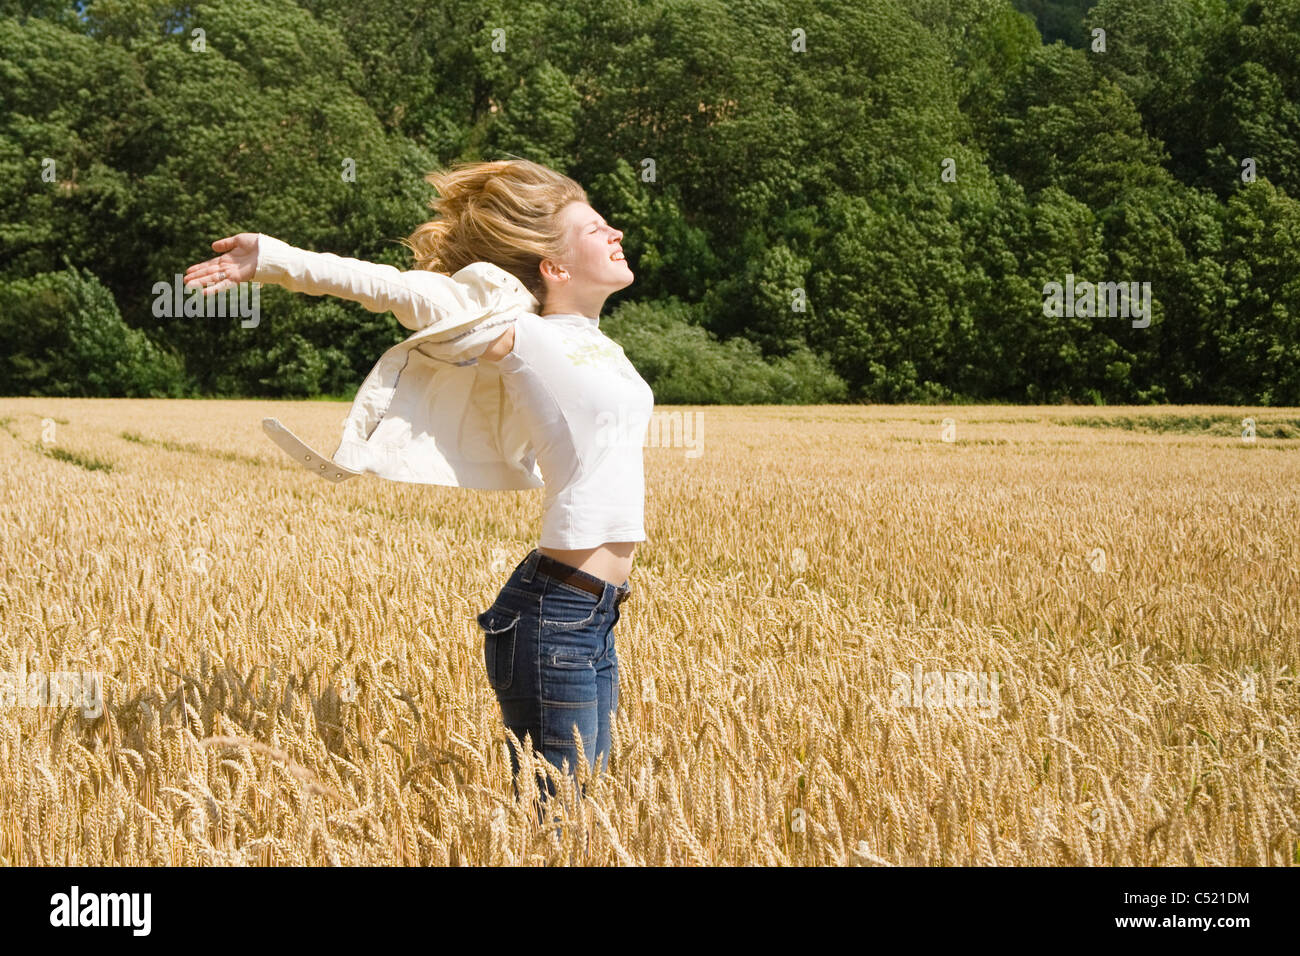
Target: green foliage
[[1259, 339], [61, 334], [871, 217], [1058, 19], [684, 364]]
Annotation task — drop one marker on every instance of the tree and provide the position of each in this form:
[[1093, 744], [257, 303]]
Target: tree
[[61, 334]]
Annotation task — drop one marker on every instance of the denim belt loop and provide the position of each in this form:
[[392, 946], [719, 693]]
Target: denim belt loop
[[530, 566]]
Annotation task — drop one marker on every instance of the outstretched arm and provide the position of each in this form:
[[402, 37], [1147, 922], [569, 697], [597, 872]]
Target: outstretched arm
[[418, 298]]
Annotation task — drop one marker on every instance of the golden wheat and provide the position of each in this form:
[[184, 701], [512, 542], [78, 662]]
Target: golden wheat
[[292, 673]]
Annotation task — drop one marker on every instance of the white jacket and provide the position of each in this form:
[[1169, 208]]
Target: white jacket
[[428, 412]]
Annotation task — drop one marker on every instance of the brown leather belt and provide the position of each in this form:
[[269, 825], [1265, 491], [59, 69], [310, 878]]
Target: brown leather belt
[[562, 572]]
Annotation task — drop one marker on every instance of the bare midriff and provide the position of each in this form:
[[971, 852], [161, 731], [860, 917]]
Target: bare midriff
[[611, 561]]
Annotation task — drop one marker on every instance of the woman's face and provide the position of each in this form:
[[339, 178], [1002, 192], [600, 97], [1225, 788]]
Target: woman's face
[[595, 262]]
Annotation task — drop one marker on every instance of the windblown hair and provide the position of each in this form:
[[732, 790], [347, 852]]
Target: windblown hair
[[506, 212]]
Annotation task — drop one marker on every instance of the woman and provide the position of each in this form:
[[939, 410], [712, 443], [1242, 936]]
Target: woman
[[503, 227]]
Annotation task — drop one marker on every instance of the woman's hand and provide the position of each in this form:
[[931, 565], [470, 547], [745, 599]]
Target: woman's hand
[[237, 263]]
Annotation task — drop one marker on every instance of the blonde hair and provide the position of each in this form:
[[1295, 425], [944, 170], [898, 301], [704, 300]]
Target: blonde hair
[[506, 212]]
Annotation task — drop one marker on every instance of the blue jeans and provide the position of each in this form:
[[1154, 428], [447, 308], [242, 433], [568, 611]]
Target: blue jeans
[[549, 652]]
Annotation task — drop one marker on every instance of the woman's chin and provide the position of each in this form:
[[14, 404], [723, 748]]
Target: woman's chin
[[617, 280]]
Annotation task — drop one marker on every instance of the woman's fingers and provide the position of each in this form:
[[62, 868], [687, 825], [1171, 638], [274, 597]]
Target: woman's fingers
[[209, 275], [203, 271], [209, 285], [224, 245]]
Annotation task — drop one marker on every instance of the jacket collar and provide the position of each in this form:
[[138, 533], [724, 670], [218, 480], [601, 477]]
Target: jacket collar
[[496, 276]]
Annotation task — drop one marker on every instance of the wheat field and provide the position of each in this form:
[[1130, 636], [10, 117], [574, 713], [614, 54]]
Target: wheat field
[[858, 636]]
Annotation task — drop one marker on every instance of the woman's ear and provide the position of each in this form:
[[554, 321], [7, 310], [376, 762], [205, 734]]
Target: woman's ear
[[552, 270]]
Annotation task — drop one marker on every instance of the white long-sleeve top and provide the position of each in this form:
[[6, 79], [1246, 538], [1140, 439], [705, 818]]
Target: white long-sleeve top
[[586, 411], [565, 409]]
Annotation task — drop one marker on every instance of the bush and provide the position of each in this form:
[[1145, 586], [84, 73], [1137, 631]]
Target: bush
[[62, 335], [685, 365]]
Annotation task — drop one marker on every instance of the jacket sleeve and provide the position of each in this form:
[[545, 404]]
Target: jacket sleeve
[[418, 298]]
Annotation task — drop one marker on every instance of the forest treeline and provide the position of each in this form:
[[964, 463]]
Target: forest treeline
[[822, 200]]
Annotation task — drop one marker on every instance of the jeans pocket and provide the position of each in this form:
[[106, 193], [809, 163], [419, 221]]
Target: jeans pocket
[[500, 628], [565, 608], [568, 656]]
